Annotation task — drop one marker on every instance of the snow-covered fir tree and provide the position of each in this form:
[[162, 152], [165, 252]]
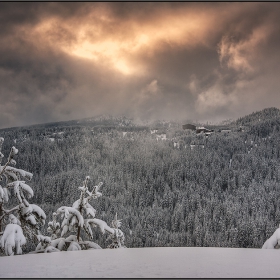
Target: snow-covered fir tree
[[73, 222], [117, 237], [28, 216], [273, 242]]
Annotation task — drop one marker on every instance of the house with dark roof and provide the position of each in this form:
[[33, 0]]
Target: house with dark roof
[[204, 130], [189, 126]]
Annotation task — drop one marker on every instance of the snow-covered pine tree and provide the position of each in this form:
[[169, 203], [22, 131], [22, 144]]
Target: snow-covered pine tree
[[273, 242], [117, 237], [73, 221], [28, 215], [54, 227]]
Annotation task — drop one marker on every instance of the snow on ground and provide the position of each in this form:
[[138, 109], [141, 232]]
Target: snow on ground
[[161, 262]]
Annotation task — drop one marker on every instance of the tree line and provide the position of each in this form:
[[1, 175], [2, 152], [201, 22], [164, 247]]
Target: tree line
[[223, 195]]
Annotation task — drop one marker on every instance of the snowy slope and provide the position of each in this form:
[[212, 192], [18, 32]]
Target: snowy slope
[[161, 262]]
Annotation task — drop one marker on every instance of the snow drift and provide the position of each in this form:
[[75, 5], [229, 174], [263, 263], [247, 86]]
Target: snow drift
[[157, 262]]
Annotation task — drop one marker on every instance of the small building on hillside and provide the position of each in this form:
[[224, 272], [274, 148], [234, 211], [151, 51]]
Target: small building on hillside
[[203, 129], [189, 126]]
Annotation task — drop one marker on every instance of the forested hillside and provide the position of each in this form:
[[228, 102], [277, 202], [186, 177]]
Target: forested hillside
[[224, 191]]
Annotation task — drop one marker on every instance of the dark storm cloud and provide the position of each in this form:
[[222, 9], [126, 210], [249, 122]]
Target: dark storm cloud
[[206, 61]]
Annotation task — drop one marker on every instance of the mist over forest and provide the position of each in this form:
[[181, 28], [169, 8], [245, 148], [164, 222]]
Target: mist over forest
[[170, 186]]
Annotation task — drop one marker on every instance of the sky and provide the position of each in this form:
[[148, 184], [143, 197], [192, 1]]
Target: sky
[[147, 60]]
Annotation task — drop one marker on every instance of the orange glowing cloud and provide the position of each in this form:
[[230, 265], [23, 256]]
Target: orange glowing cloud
[[161, 60], [241, 55], [90, 38]]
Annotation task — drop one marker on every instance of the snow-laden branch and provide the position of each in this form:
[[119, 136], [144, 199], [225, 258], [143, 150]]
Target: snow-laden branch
[[10, 172], [19, 187], [94, 193], [273, 240], [19, 173], [89, 245], [6, 212], [39, 212], [74, 246], [58, 243], [116, 223], [90, 211], [13, 152], [12, 240], [4, 194], [53, 227], [44, 239], [68, 213], [101, 224]]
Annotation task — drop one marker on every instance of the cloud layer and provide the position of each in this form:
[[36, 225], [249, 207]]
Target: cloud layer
[[200, 61]]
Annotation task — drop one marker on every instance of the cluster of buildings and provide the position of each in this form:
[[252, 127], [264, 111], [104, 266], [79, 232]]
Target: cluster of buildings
[[161, 135], [206, 131], [198, 129]]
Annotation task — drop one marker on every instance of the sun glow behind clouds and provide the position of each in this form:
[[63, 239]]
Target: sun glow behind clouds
[[92, 37], [107, 50], [161, 60], [117, 51]]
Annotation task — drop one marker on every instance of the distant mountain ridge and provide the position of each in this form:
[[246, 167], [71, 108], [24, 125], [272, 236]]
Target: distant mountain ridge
[[123, 121], [263, 115], [96, 121]]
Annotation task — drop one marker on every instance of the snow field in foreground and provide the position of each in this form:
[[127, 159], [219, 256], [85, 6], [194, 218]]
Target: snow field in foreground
[[163, 262]]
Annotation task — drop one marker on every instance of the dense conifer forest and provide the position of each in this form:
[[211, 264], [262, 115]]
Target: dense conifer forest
[[191, 189]]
